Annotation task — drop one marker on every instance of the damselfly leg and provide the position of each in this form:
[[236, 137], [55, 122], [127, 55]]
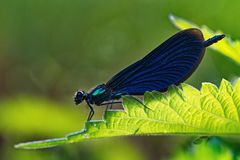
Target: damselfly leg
[[91, 113]]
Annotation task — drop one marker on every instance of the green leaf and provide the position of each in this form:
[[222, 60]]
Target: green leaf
[[28, 116], [42, 144], [212, 149], [226, 46], [180, 110]]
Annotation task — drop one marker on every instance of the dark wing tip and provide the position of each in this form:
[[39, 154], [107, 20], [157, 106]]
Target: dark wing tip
[[193, 32]]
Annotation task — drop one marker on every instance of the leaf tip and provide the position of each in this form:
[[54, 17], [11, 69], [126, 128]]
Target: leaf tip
[[48, 143], [226, 85], [171, 17], [18, 146]]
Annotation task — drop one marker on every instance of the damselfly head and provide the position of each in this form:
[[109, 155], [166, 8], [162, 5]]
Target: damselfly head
[[79, 96]]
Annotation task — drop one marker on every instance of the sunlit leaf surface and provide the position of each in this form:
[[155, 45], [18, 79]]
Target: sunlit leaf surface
[[185, 110]]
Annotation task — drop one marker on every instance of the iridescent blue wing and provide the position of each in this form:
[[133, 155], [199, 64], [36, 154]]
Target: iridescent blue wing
[[170, 63]]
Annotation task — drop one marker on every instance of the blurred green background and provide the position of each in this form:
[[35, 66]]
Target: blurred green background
[[49, 49]]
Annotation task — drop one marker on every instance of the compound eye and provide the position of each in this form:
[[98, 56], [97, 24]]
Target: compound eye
[[80, 93], [79, 96]]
